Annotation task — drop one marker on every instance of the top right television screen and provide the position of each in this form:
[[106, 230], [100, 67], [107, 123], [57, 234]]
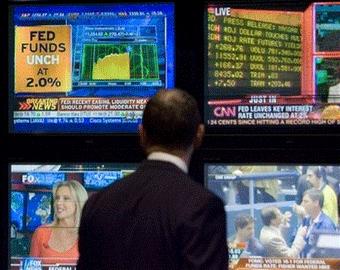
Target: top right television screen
[[271, 66]]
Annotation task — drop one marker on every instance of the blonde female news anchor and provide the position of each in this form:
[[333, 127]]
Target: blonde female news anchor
[[57, 242]]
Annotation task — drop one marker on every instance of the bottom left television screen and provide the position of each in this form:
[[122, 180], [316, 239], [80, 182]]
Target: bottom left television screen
[[45, 208]]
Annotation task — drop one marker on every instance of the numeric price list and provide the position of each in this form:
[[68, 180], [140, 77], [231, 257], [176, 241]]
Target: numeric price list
[[253, 55]]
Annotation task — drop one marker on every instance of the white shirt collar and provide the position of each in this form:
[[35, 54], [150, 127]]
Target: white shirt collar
[[169, 158], [317, 219], [312, 224]]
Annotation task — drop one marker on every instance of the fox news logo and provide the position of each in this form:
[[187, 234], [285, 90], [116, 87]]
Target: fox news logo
[[28, 179], [30, 264]]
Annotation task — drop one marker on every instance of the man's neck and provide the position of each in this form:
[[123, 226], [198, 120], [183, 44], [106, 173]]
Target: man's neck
[[185, 155], [163, 156], [275, 226], [239, 239], [315, 215], [321, 185]]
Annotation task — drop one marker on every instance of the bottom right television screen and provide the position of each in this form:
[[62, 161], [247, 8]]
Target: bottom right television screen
[[279, 216]]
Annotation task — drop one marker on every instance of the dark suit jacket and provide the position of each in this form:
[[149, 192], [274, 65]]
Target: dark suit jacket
[[155, 218]]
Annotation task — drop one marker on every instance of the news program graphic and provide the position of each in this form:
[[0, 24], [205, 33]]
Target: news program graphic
[[38, 210], [112, 62], [269, 212], [33, 207], [89, 68], [269, 66], [43, 59], [31, 264]]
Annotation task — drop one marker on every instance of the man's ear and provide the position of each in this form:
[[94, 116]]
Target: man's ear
[[199, 136], [142, 135]]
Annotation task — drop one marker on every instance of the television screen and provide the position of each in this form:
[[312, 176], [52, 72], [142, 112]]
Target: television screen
[[272, 65], [100, 179], [37, 214], [269, 208], [88, 68], [327, 27]]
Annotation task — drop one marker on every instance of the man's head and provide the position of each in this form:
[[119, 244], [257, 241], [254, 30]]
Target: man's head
[[244, 226], [314, 176], [312, 201], [271, 216], [171, 121]]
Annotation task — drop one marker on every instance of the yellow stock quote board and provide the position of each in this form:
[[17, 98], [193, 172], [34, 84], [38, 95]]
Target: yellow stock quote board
[[42, 59]]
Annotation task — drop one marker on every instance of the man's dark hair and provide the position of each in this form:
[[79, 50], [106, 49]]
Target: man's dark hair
[[242, 221], [315, 195], [171, 119], [316, 170], [268, 214]]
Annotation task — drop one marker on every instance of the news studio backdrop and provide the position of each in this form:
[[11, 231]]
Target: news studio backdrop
[[264, 74]]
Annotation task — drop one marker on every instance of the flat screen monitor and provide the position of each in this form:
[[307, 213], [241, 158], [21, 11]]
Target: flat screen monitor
[[266, 205], [272, 65], [35, 209], [87, 68]]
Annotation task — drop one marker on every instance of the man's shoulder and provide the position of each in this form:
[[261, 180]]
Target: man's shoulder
[[326, 221], [334, 89], [165, 181], [264, 229], [328, 190], [174, 183], [268, 231], [166, 174]]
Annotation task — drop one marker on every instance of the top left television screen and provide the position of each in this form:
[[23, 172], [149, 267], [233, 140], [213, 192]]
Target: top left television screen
[[89, 68]]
